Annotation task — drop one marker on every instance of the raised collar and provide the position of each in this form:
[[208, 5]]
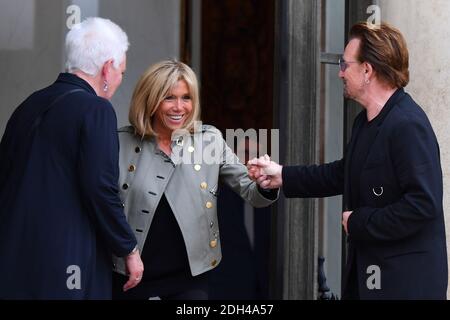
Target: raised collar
[[76, 81], [392, 101]]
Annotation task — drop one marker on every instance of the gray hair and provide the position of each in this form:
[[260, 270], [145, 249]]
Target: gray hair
[[92, 42]]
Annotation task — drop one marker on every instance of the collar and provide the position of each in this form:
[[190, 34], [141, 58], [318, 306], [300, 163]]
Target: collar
[[76, 81], [395, 97]]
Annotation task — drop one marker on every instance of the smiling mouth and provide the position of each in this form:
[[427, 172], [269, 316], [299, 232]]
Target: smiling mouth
[[176, 117]]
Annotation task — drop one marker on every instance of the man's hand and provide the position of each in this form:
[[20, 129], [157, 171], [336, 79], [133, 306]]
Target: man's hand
[[265, 172], [345, 216], [135, 269]]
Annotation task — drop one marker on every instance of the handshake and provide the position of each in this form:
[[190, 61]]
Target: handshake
[[266, 173]]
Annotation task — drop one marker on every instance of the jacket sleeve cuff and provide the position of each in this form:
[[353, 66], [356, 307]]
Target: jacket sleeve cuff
[[357, 223], [290, 185], [271, 194], [129, 250]]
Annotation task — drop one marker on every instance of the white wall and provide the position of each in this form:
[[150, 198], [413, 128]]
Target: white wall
[[30, 50], [426, 27], [153, 29]]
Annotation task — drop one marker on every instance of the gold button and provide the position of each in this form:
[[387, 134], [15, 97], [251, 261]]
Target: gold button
[[213, 263], [197, 167], [203, 185], [132, 168], [213, 243], [209, 205], [191, 149]]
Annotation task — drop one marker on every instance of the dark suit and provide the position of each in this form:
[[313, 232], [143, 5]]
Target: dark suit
[[397, 222], [60, 208]]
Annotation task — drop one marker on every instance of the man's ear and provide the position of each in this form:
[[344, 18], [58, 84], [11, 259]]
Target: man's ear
[[368, 72], [368, 69]]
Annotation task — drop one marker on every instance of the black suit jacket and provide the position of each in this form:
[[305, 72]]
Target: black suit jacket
[[61, 217], [397, 222]]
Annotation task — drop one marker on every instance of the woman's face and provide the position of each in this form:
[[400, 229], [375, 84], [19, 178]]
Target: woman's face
[[174, 109]]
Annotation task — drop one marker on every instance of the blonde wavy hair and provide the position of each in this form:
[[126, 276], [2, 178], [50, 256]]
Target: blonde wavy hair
[[155, 85]]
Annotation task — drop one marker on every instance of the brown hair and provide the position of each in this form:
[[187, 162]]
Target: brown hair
[[151, 89], [384, 47]]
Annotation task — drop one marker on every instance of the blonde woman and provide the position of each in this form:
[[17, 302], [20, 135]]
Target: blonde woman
[[169, 172]]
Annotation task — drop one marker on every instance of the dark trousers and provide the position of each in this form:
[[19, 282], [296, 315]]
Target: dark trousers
[[195, 288]]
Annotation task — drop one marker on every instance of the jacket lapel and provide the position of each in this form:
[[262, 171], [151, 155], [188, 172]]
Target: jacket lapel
[[346, 196], [397, 96]]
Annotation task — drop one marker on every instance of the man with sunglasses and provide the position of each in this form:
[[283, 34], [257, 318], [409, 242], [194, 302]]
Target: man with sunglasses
[[390, 177]]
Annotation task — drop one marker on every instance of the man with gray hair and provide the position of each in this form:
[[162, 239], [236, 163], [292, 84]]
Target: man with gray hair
[[61, 217]]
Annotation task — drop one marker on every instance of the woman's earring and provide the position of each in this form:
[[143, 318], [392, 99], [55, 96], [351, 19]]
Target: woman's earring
[[367, 81], [105, 86]]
